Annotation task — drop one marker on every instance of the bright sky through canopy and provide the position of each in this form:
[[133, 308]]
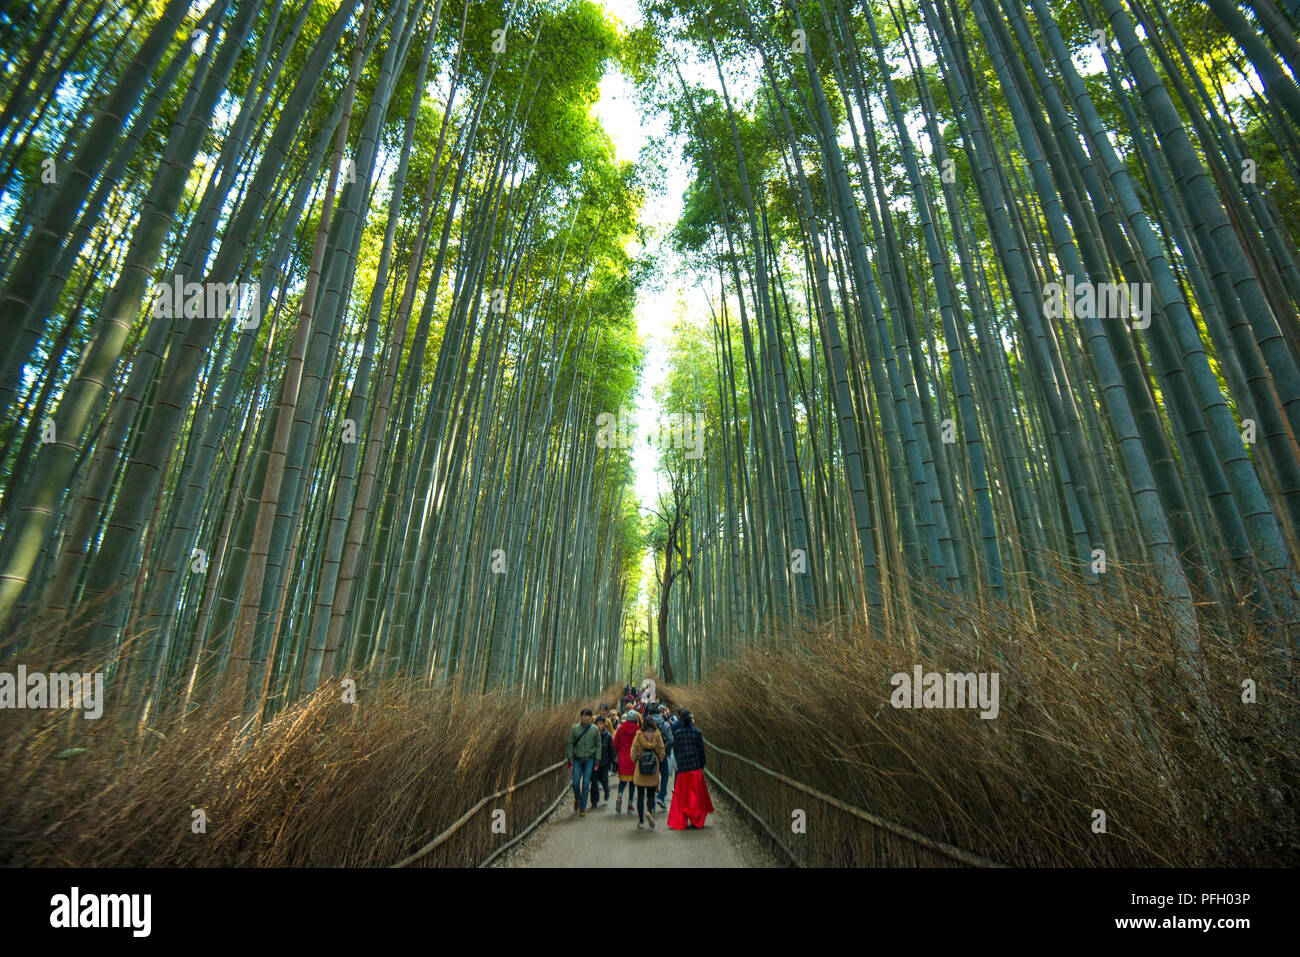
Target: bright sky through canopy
[[630, 127]]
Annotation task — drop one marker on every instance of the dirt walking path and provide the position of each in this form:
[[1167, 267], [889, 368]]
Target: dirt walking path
[[606, 839]]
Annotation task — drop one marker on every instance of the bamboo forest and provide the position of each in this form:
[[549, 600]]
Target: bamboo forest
[[907, 390]]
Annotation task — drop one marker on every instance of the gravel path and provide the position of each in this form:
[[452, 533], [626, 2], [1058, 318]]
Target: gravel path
[[605, 839]]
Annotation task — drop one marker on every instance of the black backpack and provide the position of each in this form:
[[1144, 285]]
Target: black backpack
[[648, 762]]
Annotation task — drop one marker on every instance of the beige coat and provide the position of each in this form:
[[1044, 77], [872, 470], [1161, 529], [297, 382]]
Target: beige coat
[[643, 742]]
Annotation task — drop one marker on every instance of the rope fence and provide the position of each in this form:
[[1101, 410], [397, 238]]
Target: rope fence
[[568, 789], [837, 844], [758, 818], [468, 815]]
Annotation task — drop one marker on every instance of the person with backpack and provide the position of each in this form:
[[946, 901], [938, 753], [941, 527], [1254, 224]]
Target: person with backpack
[[582, 749], [691, 802], [600, 777], [627, 732], [647, 757], [666, 734], [673, 724]]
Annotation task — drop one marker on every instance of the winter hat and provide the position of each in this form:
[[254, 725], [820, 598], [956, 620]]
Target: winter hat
[[632, 716], [685, 716]]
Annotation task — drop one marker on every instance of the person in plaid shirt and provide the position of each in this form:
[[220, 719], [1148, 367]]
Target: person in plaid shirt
[[691, 802]]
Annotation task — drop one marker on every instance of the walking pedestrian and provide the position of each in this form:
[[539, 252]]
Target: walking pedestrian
[[673, 725], [627, 732], [600, 776], [666, 733], [691, 802], [647, 757], [582, 749]]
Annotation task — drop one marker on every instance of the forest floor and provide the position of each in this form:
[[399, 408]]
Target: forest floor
[[606, 839]]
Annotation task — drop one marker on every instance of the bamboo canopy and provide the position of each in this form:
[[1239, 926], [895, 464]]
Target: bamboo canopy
[[310, 313]]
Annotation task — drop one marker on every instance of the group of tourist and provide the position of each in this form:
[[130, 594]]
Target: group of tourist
[[647, 743]]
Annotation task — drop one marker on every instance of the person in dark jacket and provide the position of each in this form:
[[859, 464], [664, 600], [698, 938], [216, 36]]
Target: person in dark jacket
[[691, 802], [666, 732], [600, 776]]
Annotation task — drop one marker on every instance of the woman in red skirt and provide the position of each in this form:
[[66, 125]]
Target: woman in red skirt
[[691, 801]]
